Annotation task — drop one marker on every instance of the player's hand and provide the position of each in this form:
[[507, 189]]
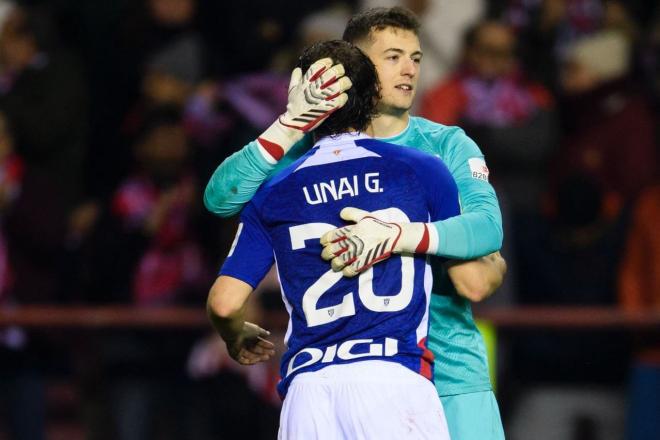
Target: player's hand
[[355, 248], [251, 346], [312, 98]]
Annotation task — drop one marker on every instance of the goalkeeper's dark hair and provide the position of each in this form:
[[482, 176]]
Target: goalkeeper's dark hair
[[364, 94], [361, 25]]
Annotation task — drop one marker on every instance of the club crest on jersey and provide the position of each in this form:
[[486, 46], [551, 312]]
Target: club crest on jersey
[[323, 192], [478, 168]]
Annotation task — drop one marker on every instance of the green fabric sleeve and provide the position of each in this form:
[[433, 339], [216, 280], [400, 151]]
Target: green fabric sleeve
[[236, 180], [238, 177], [478, 230]]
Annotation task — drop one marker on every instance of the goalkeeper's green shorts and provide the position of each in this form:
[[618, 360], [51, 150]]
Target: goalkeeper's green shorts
[[473, 416]]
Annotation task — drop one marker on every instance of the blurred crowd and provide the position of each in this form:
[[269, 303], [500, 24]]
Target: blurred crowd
[[113, 115]]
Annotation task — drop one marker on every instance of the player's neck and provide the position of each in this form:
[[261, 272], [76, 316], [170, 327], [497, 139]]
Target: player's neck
[[388, 125]]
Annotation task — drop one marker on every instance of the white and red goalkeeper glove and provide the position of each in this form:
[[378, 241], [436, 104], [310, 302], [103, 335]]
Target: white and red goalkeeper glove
[[355, 248], [312, 98]]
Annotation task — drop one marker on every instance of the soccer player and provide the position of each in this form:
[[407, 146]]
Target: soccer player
[[390, 38], [356, 364]]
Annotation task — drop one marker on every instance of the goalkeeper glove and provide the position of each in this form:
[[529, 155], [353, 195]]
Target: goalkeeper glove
[[355, 248], [312, 98]]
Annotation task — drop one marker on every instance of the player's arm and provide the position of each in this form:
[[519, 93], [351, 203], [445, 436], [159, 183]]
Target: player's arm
[[312, 98], [249, 260], [478, 230], [477, 279], [225, 308], [355, 248]]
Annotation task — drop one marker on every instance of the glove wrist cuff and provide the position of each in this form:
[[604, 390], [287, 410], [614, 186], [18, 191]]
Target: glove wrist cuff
[[277, 140], [417, 238]]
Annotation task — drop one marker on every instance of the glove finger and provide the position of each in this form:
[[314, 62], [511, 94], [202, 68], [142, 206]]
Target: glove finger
[[328, 253], [337, 264], [334, 250], [296, 78], [330, 76], [339, 86], [337, 102], [335, 235], [334, 90], [352, 214], [329, 237], [350, 271], [316, 69]]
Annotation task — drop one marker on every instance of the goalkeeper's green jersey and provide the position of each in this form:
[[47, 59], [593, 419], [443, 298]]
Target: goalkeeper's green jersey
[[461, 364]]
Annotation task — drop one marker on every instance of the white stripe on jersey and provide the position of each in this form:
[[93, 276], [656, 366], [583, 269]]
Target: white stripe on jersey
[[233, 245], [423, 328], [289, 309]]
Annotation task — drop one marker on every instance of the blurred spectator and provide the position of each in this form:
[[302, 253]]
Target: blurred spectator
[[650, 58], [153, 54], [21, 389], [11, 174], [322, 25], [610, 128], [548, 27], [570, 259], [149, 255], [639, 282], [43, 96], [154, 210], [5, 8], [639, 291], [170, 64], [170, 76], [245, 35], [38, 81], [511, 118], [227, 112]]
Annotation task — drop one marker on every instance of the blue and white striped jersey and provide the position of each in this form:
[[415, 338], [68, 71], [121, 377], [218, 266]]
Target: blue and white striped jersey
[[381, 314]]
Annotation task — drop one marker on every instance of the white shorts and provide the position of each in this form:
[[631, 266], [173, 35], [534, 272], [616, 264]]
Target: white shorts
[[362, 400]]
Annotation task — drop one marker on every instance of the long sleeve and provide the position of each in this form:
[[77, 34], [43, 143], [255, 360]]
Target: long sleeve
[[238, 177], [236, 180], [478, 230]]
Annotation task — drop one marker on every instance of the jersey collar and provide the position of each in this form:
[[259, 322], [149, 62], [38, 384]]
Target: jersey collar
[[336, 140]]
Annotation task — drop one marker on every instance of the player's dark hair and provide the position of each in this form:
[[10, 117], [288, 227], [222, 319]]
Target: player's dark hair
[[376, 19], [363, 96]]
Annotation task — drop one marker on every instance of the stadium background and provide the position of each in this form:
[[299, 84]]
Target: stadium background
[[113, 115]]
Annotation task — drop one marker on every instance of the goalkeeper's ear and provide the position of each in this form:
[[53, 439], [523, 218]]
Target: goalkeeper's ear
[[353, 214]]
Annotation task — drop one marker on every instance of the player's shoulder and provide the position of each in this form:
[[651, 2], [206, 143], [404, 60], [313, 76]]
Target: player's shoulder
[[435, 130], [449, 141]]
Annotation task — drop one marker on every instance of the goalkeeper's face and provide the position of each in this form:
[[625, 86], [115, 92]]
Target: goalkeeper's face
[[397, 55]]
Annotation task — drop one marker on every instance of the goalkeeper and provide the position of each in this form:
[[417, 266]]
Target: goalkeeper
[[389, 36]]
